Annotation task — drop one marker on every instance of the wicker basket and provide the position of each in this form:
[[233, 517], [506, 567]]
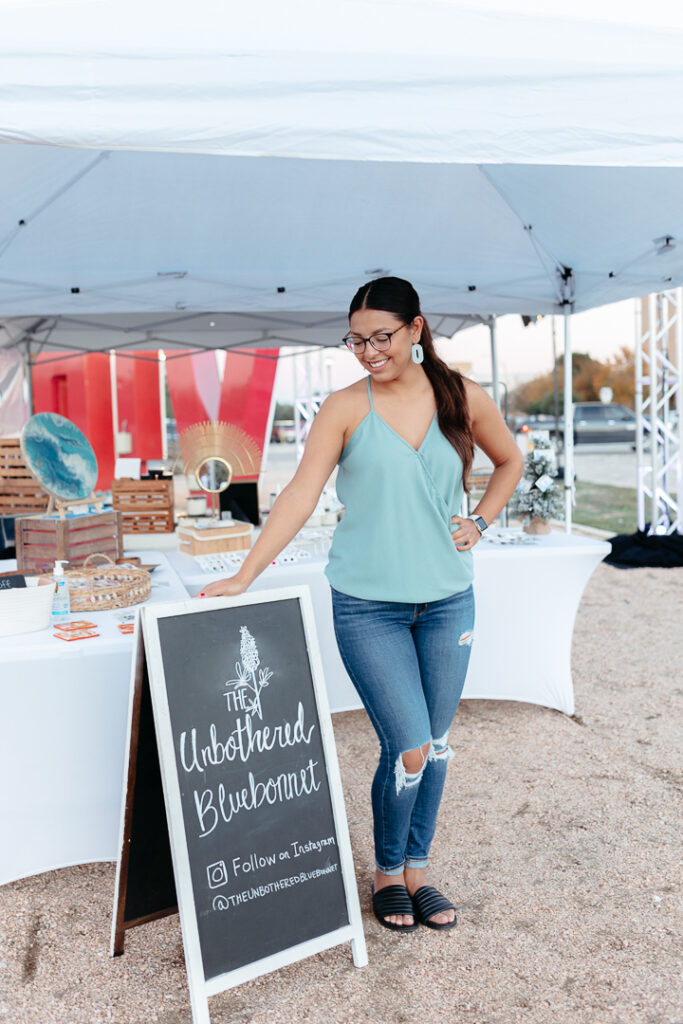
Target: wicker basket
[[104, 587]]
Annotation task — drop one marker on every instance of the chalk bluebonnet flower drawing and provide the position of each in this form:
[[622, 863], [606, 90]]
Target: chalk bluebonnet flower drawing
[[246, 672]]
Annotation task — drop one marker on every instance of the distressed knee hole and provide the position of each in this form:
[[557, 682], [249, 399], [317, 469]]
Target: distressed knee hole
[[440, 749], [466, 638], [410, 766]]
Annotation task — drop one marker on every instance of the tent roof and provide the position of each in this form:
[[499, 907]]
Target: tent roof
[[385, 80], [129, 332], [458, 149]]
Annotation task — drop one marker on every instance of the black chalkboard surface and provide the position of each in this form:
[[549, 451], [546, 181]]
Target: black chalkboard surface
[[254, 810]]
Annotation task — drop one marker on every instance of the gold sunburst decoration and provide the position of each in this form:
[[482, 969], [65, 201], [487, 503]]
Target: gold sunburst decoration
[[223, 442]]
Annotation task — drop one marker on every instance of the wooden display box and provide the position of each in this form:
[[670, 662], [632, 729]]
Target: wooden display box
[[146, 506], [20, 495], [193, 541], [41, 540]]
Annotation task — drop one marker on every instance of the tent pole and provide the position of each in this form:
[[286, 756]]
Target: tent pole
[[568, 427], [495, 387], [495, 382], [656, 319], [161, 356], [641, 468], [28, 366]]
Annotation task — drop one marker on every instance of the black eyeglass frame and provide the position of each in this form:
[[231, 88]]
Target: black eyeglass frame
[[350, 344]]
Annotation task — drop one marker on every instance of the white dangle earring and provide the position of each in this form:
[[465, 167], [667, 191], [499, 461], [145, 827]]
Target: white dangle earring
[[416, 353]]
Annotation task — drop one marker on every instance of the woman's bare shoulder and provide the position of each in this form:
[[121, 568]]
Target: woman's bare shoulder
[[349, 399], [348, 407], [476, 396]]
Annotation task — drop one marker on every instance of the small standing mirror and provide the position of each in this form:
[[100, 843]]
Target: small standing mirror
[[214, 474]]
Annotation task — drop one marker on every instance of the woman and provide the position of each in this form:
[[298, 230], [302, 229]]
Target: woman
[[400, 566]]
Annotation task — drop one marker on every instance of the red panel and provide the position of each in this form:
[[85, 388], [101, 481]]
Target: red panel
[[100, 430], [79, 388], [139, 405], [247, 391], [188, 407]]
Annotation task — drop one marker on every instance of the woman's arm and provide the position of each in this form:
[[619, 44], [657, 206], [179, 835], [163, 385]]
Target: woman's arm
[[495, 440], [297, 501]]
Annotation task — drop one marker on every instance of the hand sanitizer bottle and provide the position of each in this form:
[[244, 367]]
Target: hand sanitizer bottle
[[60, 602]]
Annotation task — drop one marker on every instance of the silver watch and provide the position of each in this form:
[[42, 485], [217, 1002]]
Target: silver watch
[[479, 522]]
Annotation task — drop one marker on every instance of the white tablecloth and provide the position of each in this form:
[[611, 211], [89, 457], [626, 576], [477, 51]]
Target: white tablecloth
[[64, 713], [526, 599], [64, 705]]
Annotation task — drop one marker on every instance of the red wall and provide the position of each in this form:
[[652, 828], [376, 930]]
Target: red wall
[[246, 391], [79, 388], [139, 402]]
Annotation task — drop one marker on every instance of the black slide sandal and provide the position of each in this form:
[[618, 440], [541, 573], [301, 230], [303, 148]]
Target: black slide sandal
[[393, 899], [429, 901]]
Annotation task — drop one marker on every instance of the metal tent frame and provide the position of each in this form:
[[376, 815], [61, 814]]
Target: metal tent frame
[[659, 413]]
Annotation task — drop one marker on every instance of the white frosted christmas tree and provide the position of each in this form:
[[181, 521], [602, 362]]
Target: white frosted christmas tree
[[538, 495]]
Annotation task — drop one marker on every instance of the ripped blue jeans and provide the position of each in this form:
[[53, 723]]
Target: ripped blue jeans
[[408, 663]]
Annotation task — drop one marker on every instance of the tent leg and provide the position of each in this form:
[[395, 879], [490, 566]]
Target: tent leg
[[568, 427], [495, 381], [495, 387], [113, 387], [28, 366]]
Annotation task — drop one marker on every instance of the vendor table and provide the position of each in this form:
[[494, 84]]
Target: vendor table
[[526, 596], [64, 721], [64, 705]]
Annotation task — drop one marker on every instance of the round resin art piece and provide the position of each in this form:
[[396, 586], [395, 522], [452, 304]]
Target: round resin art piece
[[59, 456]]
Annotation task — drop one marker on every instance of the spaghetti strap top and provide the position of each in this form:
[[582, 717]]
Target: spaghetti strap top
[[394, 541]]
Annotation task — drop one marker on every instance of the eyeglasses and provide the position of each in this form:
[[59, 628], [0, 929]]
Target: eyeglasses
[[380, 342]]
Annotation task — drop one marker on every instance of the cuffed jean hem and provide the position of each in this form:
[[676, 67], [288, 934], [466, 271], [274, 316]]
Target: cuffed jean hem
[[390, 871], [411, 862]]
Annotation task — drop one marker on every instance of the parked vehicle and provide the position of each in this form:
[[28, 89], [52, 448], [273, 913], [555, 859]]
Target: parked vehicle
[[596, 422], [284, 431]]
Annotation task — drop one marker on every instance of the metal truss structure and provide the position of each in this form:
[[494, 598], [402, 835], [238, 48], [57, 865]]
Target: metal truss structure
[[659, 413]]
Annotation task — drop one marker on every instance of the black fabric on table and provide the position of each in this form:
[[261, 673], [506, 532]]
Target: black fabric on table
[[639, 550]]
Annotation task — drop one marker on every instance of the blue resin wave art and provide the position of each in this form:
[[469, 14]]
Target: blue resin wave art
[[59, 456]]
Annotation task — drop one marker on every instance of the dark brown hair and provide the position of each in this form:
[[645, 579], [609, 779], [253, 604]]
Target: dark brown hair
[[394, 295]]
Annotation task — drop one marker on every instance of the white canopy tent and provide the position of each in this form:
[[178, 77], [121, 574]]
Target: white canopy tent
[[165, 169]]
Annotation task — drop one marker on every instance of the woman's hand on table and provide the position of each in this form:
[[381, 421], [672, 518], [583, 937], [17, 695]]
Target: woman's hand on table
[[465, 534], [230, 587]]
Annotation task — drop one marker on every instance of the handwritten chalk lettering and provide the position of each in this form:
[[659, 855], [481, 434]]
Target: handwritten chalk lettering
[[255, 862], [236, 700], [242, 742], [312, 845], [210, 806], [258, 891]]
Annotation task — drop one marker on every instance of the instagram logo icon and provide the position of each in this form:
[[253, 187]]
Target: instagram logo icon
[[217, 874]]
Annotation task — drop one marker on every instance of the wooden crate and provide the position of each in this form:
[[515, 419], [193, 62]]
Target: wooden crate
[[41, 540], [146, 506], [20, 495], [193, 541]]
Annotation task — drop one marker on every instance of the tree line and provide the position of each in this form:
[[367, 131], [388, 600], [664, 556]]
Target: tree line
[[588, 376]]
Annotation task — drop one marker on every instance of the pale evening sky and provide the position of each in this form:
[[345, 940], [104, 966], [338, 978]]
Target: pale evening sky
[[523, 352]]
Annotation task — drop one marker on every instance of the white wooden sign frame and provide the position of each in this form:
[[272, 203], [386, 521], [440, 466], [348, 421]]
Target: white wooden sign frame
[[200, 988]]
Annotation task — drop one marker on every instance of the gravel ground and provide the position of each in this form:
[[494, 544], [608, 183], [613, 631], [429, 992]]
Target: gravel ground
[[557, 842]]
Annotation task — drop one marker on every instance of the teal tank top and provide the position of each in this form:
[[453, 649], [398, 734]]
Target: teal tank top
[[394, 541]]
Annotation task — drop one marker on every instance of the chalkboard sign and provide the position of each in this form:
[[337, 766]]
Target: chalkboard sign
[[258, 836], [12, 581]]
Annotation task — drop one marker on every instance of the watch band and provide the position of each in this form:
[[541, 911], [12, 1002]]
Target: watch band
[[479, 522]]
